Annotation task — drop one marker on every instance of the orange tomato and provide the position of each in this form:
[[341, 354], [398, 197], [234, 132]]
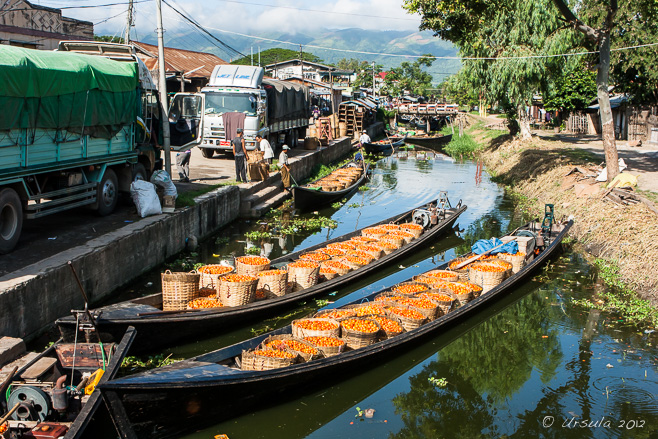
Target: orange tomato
[[325, 341], [215, 269], [238, 278], [304, 264], [360, 325], [409, 313], [274, 353], [253, 260], [317, 325]]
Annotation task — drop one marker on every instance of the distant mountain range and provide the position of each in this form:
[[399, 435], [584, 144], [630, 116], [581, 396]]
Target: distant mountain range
[[377, 42]]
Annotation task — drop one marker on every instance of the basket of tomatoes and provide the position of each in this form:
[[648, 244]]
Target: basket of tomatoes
[[328, 345], [315, 327], [286, 342], [359, 332], [237, 289], [211, 273], [267, 359], [250, 265]]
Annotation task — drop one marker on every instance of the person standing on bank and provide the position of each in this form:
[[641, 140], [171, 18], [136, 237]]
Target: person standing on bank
[[239, 153], [183, 165], [265, 146], [283, 164]]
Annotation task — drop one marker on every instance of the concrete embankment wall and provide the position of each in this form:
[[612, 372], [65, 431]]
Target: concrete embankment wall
[[34, 297]]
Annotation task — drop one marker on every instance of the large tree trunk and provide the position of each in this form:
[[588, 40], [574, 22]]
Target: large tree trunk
[[524, 123], [605, 111]]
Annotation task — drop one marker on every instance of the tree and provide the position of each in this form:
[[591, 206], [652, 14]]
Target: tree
[[272, 56], [410, 76], [108, 39], [364, 77], [573, 90]]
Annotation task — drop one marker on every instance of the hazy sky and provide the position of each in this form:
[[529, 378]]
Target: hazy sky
[[251, 17]]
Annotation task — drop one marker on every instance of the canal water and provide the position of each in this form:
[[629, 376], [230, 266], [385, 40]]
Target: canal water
[[531, 365]]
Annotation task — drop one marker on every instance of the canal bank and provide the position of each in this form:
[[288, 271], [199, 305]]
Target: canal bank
[[541, 171], [36, 295]]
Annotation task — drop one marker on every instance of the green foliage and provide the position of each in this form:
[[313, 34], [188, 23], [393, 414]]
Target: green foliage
[[186, 199], [313, 224], [133, 364], [573, 90], [438, 382], [108, 39], [456, 89], [461, 147], [364, 74], [252, 251], [222, 240], [620, 298], [272, 56], [337, 205], [411, 77], [256, 235]]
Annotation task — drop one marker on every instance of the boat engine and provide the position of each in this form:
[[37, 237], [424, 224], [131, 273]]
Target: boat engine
[[34, 403], [422, 217]]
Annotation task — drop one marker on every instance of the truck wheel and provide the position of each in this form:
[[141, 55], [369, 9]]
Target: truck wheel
[[107, 194], [139, 172], [207, 152], [11, 220]]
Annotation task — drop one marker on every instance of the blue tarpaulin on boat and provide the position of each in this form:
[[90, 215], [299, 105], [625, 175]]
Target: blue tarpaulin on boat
[[484, 245]]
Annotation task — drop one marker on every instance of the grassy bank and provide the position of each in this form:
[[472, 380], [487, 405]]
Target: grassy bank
[[621, 238]]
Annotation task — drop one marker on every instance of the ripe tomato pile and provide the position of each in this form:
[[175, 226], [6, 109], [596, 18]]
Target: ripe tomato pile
[[408, 313], [274, 353], [490, 267], [360, 325], [337, 314], [345, 245], [437, 296], [325, 341], [336, 265], [293, 345], [271, 273], [317, 325], [369, 310], [410, 288], [411, 226], [441, 274], [434, 282], [204, 302], [253, 260], [215, 269], [315, 256], [419, 303], [358, 260], [363, 239], [369, 248], [388, 245], [360, 254], [402, 234], [327, 270], [303, 264], [238, 278], [333, 251], [390, 227], [456, 262], [387, 324], [383, 298], [458, 288]]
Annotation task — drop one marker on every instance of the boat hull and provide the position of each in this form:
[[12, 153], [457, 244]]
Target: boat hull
[[165, 403], [310, 199]]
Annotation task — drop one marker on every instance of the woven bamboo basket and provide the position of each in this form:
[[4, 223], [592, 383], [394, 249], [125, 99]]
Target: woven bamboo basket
[[237, 293], [178, 289], [406, 236], [204, 303], [317, 256], [366, 309], [445, 299], [326, 274], [209, 279], [517, 260], [252, 361], [434, 283], [462, 272], [372, 248], [391, 227], [275, 281], [309, 352], [339, 267], [354, 262], [429, 313], [373, 232], [388, 247], [362, 240], [334, 253], [263, 294], [385, 333], [343, 245], [335, 314], [398, 241], [242, 267], [357, 339], [207, 292], [486, 279], [299, 331], [409, 323], [362, 254], [329, 351], [447, 275], [416, 229], [303, 277], [418, 287]]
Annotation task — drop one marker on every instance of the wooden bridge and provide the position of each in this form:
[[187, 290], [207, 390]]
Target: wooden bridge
[[427, 109]]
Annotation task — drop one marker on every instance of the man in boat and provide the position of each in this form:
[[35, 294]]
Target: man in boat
[[365, 138], [283, 164], [239, 154]]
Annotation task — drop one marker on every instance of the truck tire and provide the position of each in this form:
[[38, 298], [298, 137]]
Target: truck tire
[[107, 194], [207, 152], [139, 172], [11, 219]]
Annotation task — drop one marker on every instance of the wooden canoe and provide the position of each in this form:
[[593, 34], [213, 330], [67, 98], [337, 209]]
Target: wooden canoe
[[157, 403], [383, 146], [58, 362], [307, 198], [157, 328], [435, 143]]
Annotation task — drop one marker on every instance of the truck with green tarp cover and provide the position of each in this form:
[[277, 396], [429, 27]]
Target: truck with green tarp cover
[[75, 130]]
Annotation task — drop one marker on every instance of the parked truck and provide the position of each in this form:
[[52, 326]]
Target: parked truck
[[75, 130], [277, 110]]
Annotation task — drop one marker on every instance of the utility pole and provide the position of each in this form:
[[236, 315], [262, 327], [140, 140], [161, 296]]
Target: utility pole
[[301, 62], [259, 57], [373, 79], [162, 86], [252, 55], [129, 23]]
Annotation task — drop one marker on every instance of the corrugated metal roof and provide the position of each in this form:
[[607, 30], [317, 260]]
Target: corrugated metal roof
[[179, 60]]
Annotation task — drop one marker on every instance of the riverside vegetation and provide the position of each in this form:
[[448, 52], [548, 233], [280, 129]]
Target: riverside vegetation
[[620, 239]]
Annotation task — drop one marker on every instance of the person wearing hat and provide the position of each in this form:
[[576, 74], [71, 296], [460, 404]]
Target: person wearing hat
[[239, 154], [365, 138], [283, 164]]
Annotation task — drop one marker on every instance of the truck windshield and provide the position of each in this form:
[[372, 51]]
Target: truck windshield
[[218, 103]]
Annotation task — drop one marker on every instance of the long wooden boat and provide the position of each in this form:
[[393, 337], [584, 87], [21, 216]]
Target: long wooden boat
[[157, 328], [382, 146], [435, 143], [311, 198], [50, 389], [159, 403]]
